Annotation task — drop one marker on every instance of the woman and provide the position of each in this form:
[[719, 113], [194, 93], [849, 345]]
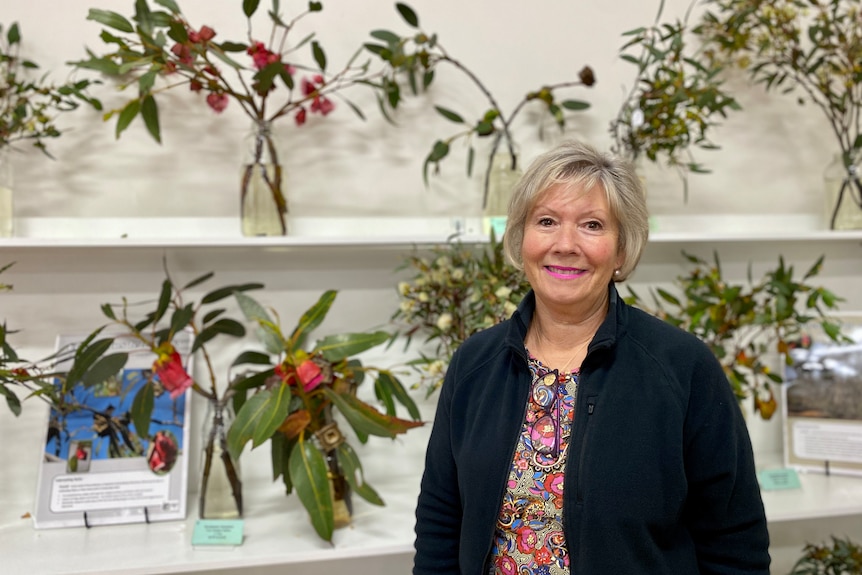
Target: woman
[[582, 435]]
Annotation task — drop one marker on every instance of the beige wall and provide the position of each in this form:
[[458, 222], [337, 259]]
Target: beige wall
[[773, 155]]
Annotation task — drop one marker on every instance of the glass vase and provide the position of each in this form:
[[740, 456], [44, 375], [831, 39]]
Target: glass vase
[[262, 201], [221, 486], [6, 211], [503, 175], [843, 193], [342, 502]]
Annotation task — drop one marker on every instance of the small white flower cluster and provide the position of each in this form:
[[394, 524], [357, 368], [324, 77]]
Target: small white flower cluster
[[454, 293]]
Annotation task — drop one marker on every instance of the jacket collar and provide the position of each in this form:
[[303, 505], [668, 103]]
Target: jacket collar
[[606, 336]]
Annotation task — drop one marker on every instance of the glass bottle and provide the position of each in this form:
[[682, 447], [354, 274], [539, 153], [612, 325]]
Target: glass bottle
[[262, 201], [221, 486], [504, 175], [6, 211], [843, 209]]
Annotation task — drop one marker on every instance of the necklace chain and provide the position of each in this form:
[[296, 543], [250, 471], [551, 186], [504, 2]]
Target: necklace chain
[[540, 337]]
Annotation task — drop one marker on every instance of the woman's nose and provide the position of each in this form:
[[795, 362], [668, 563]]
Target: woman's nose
[[567, 240]]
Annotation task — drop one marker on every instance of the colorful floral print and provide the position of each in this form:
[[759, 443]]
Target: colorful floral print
[[529, 537]]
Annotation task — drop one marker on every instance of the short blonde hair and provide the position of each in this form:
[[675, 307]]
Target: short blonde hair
[[576, 163]]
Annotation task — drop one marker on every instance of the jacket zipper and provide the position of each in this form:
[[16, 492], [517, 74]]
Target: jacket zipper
[[591, 408]]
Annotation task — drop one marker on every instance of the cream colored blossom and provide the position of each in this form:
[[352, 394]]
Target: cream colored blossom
[[458, 274], [403, 288], [503, 292], [407, 306], [423, 297], [509, 308], [444, 322], [436, 367]]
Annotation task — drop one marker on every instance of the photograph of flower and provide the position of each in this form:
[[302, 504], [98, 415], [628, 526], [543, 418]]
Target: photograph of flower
[[101, 415]]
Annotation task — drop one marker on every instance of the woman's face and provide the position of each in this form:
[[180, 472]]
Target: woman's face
[[570, 249]]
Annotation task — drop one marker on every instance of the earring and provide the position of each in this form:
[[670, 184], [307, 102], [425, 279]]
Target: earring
[[616, 272]]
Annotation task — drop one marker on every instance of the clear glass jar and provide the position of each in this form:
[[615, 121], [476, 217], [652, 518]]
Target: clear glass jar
[[504, 175], [6, 208], [843, 208], [263, 204], [221, 487]]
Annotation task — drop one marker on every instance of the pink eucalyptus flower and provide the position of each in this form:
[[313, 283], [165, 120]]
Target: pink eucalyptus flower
[[206, 33], [195, 86], [308, 88], [170, 371], [183, 53], [261, 55], [170, 67], [309, 374], [300, 117], [217, 102], [322, 104]]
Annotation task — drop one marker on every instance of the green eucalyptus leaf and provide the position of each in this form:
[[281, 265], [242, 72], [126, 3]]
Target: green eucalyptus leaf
[[110, 19], [407, 14], [249, 7], [313, 316], [365, 420], [225, 326], [438, 152], [150, 114], [85, 356], [242, 430], [272, 415], [349, 463], [104, 368], [170, 5], [181, 317], [142, 409], [127, 114], [13, 36], [394, 386], [449, 115], [11, 400], [228, 291], [575, 104], [319, 55], [198, 280], [309, 474], [337, 347], [252, 381]]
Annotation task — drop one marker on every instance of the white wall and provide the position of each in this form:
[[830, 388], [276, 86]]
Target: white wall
[[772, 160]]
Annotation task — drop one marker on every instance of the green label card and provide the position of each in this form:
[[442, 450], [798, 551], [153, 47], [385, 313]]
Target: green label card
[[218, 532], [784, 478]]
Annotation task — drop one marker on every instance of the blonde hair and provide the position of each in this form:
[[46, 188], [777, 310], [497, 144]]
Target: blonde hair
[[576, 163]]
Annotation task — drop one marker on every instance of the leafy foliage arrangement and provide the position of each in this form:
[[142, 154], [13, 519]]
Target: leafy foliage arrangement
[[742, 323], [843, 557], [812, 48], [294, 405], [29, 106], [158, 50], [674, 99], [413, 58], [285, 394], [454, 293]]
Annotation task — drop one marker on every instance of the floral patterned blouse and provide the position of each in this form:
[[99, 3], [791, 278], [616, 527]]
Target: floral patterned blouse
[[529, 534]]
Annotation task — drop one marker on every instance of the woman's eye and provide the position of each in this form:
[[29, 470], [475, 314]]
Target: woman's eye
[[546, 221], [594, 225]]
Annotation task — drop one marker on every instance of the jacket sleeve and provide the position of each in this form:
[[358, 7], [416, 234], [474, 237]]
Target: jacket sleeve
[[724, 510], [438, 511]]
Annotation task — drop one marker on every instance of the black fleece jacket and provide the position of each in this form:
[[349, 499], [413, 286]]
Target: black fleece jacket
[[660, 475]]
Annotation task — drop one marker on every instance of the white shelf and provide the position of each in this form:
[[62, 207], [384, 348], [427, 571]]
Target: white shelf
[[277, 529], [385, 231]]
